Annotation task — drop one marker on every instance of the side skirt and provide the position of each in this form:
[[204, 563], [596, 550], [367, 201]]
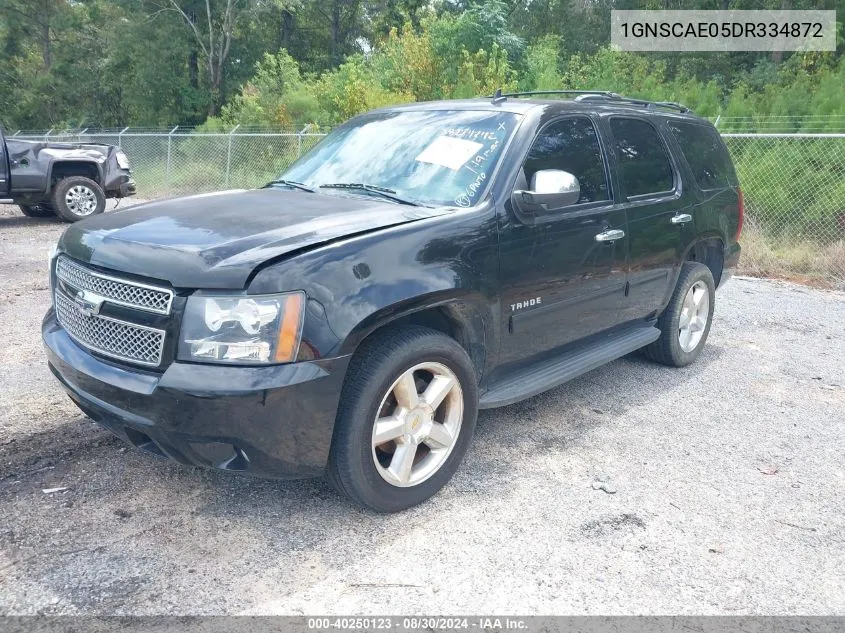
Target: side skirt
[[550, 372]]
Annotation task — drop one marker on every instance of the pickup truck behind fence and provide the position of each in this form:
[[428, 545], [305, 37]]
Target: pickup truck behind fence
[[69, 180]]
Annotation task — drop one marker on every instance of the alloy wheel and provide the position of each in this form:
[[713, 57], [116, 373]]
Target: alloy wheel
[[418, 424], [81, 200], [694, 314]]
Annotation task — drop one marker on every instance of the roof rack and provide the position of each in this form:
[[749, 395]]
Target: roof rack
[[589, 95]]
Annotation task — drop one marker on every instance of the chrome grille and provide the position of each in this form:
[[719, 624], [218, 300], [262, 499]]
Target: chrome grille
[[119, 291], [110, 337]]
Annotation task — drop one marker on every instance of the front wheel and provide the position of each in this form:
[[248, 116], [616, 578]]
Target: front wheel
[[76, 198], [685, 323], [406, 418]]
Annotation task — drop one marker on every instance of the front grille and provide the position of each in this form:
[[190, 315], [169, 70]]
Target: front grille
[[110, 337], [126, 293]]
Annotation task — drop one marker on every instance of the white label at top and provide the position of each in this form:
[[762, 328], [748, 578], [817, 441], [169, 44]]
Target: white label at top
[[449, 152]]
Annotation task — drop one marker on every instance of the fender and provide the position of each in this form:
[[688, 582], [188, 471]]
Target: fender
[[467, 317], [98, 164], [713, 237], [689, 248], [704, 237], [447, 263]]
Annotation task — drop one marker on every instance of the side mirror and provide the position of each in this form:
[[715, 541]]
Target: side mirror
[[551, 189]]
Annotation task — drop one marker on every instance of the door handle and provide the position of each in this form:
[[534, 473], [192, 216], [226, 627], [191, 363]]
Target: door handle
[[610, 236], [680, 218]]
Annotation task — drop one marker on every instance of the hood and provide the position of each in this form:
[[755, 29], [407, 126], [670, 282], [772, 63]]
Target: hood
[[217, 240]]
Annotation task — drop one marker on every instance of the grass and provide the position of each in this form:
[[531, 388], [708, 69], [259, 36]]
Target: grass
[[795, 259]]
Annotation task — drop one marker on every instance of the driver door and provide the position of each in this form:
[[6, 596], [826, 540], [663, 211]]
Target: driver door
[[560, 279]]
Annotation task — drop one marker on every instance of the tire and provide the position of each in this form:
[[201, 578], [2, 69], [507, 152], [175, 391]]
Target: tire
[[76, 198], [364, 472], [40, 210], [672, 348]]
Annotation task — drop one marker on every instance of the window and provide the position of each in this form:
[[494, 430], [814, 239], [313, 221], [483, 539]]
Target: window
[[435, 157], [642, 160], [570, 145], [706, 154]]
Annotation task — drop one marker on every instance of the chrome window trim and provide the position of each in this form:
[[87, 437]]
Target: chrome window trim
[[64, 260]]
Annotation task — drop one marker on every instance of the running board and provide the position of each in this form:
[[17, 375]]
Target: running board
[[555, 371]]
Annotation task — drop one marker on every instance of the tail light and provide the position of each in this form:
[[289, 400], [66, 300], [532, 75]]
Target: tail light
[[741, 208]]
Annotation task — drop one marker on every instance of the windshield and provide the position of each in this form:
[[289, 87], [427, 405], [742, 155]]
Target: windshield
[[435, 158]]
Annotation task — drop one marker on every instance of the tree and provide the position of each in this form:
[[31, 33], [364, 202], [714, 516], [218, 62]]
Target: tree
[[212, 24], [35, 19], [343, 17]]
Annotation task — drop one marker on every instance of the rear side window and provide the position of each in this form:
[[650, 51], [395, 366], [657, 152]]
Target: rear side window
[[706, 154], [570, 144], [641, 157]]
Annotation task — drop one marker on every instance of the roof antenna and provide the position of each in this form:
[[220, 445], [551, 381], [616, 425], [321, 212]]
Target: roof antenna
[[497, 96]]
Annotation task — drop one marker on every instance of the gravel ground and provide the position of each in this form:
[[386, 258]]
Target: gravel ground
[[728, 479]]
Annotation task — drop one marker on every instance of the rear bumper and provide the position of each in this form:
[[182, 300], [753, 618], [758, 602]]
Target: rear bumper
[[731, 261], [265, 421]]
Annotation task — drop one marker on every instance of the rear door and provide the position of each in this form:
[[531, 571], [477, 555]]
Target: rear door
[[559, 283], [4, 166], [650, 187], [710, 166]]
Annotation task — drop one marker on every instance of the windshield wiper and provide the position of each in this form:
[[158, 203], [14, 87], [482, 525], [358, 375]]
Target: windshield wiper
[[295, 185], [384, 192]]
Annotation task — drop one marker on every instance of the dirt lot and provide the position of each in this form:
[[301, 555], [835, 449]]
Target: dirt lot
[[728, 478]]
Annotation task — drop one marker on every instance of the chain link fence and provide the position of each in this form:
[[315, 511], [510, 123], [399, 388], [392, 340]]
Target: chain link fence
[[793, 182], [794, 190], [183, 161]]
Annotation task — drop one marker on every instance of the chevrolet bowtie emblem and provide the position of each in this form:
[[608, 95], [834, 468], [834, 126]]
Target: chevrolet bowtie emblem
[[89, 302]]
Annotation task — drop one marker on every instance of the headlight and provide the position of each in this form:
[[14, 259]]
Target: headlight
[[245, 330], [122, 159]]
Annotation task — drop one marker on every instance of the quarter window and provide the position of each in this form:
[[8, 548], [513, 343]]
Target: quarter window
[[570, 145], [641, 158], [706, 154]]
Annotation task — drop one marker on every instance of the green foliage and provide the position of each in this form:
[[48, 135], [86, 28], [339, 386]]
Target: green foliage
[[110, 63], [406, 64], [777, 175], [275, 96], [353, 88], [542, 61], [481, 26], [405, 67], [481, 73], [803, 85]]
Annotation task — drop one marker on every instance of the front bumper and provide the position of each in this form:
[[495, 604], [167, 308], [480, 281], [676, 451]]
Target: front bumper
[[127, 189], [266, 421], [120, 184]]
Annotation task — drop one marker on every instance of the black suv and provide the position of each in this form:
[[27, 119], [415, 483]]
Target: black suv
[[422, 262]]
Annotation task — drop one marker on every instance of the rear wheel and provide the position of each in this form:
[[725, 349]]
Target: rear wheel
[[406, 418], [685, 323], [77, 197], [40, 210]]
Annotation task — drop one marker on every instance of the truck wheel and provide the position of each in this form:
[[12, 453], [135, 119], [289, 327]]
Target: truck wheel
[[40, 210], [685, 323], [77, 197], [406, 418]]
